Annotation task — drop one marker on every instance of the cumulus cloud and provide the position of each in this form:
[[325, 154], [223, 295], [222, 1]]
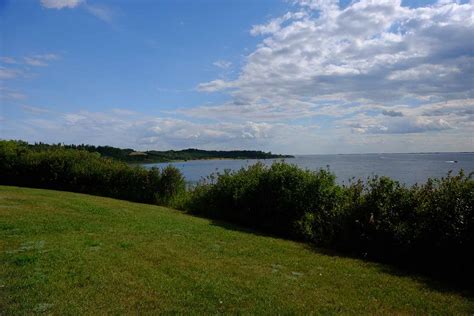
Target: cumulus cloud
[[402, 126], [362, 51], [439, 116], [276, 24], [60, 4], [373, 67], [241, 109]]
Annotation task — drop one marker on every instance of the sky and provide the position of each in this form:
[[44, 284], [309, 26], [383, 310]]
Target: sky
[[287, 76]]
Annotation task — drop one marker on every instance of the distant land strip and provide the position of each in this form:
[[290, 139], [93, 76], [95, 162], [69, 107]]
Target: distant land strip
[[154, 156]]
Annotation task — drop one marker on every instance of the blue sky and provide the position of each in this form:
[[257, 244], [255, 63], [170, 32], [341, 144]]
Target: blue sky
[[303, 76]]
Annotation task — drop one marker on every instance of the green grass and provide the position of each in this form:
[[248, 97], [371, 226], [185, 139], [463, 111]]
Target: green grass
[[67, 253]]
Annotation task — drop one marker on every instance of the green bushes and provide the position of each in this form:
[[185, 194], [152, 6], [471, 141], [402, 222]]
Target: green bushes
[[81, 171], [428, 227], [273, 199]]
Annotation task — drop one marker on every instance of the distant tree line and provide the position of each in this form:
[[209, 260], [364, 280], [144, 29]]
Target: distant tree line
[[150, 156], [427, 227]]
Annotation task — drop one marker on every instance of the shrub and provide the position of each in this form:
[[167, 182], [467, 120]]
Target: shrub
[[445, 222], [171, 184], [82, 171], [281, 199], [378, 218]]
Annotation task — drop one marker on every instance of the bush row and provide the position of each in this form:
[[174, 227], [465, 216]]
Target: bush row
[[81, 171], [429, 227]]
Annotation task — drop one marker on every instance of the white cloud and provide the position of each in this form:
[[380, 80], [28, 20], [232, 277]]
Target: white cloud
[[35, 62], [102, 12], [397, 125], [239, 110], [214, 85], [60, 4], [423, 72], [222, 64], [439, 116], [21, 70], [362, 51], [275, 24], [40, 60]]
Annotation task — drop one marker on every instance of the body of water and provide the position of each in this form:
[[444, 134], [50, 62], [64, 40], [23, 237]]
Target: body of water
[[406, 168]]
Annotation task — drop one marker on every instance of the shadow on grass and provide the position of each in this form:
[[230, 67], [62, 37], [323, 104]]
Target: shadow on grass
[[439, 283], [234, 227]]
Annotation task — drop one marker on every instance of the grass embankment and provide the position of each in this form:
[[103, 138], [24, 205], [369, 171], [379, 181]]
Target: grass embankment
[[68, 253]]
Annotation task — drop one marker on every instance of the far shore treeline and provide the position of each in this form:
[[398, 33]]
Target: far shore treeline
[[153, 156], [428, 227]]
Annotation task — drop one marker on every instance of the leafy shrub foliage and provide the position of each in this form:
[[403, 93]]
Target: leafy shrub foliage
[[428, 227], [81, 171], [279, 199]]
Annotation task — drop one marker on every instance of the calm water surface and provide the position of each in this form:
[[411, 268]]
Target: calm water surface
[[406, 168]]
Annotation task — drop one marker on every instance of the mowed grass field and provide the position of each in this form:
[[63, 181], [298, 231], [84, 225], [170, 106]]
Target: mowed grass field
[[67, 253]]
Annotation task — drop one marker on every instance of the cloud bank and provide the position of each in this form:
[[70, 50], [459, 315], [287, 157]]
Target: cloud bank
[[371, 50], [374, 66]]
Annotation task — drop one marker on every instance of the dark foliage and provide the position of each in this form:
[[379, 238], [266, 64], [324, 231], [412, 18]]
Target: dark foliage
[[81, 171], [428, 227], [130, 155]]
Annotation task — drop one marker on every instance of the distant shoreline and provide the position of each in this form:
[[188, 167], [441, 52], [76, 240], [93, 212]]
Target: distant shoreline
[[207, 159], [132, 156]]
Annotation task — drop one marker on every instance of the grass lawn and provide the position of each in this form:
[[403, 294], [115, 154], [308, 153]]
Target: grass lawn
[[67, 253]]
